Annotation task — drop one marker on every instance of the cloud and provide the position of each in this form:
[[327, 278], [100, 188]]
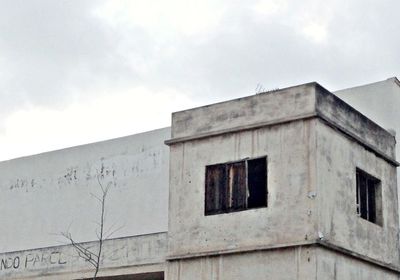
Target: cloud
[[56, 54], [163, 18], [49, 47], [108, 116]]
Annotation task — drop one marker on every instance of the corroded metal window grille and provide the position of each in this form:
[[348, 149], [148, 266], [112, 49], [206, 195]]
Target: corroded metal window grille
[[368, 197], [236, 186]]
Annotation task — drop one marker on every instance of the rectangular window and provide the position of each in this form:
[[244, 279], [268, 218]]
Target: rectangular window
[[368, 197], [236, 186]]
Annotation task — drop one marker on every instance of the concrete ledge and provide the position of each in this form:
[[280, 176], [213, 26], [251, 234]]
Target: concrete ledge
[[344, 251], [337, 112], [266, 107], [320, 243], [239, 128], [142, 253], [326, 120], [239, 250], [358, 139], [278, 107]]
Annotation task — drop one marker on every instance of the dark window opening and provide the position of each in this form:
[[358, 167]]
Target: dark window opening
[[368, 197], [236, 186]]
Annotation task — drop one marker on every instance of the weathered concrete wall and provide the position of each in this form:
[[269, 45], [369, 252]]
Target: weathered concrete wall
[[277, 107], [311, 195], [331, 265], [290, 215], [350, 121], [46, 194], [380, 102], [297, 263], [337, 160], [261, 109], [138, 254], [281, 126], [313, 142]]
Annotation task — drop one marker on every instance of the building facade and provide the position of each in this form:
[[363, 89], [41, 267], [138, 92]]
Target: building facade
[[378, 101], [291, 184]]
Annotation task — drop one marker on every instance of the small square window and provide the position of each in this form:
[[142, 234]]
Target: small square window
[[368, 197], [236, 186]]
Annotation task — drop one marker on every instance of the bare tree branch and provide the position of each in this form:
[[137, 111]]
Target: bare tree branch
[[94, 258], [83, 252], [114, 231]]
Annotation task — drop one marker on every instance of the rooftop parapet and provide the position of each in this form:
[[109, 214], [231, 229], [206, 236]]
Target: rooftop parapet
[[290, 104]]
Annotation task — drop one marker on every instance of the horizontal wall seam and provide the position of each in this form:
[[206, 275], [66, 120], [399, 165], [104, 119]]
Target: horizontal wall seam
[[283, 121], [239, 128], [314, 243], [359, 140], [347, 252], [240, 250], [103, 272], [83, 243]]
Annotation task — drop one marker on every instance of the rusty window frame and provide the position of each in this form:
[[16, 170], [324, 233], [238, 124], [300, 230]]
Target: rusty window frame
[[228, 186]]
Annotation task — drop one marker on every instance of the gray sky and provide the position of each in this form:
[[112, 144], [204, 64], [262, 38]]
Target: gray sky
[[73, 72]]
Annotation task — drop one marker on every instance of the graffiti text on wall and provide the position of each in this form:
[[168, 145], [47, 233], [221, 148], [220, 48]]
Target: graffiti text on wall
[[32, 260]]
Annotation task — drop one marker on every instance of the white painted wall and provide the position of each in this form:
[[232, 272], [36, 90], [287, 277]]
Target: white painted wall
[[45, 194], [378, 101]]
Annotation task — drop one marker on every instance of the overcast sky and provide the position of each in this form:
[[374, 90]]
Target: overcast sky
[[73, 72]]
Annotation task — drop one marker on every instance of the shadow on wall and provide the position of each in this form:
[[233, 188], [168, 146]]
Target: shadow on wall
[[140, 276]]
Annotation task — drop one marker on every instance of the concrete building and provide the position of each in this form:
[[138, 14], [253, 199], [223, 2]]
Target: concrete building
[[292, 184], [379, 101]]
